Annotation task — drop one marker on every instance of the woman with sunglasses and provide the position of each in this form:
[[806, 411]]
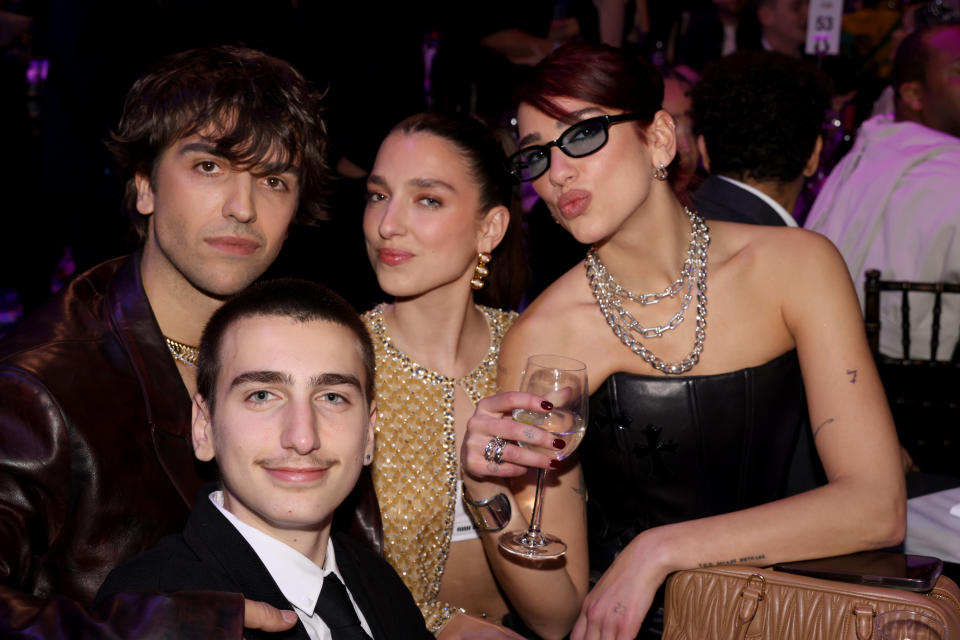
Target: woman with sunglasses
[[439, 234], [697, 391]]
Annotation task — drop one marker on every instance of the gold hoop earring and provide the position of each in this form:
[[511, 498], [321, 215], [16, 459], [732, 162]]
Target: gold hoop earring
[[481, 271], [660, 173]]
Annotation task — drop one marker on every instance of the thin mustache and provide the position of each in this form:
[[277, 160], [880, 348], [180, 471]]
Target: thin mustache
[[308, 462], [239, 232]]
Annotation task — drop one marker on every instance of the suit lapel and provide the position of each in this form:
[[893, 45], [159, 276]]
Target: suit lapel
[[753, 208], [218, 543], [722, 200]]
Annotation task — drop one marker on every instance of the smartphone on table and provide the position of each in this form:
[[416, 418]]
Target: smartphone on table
[[874, 568]]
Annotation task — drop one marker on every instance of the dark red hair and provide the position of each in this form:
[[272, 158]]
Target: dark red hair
[[599, 74]]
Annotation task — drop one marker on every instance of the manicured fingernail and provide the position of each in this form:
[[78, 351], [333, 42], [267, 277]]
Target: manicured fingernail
[[559, 444], [288, 616], [554, 464], [547, 405]]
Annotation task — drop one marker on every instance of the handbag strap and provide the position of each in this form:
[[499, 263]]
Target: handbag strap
[[750, 598], [865, 613]]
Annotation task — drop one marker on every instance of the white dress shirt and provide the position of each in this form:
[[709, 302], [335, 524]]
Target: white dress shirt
[[299, 579]]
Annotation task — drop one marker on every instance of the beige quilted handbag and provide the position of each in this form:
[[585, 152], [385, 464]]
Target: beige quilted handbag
[[740, 602]]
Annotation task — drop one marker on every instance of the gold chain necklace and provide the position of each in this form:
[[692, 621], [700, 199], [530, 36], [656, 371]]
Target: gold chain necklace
[[183, 352]]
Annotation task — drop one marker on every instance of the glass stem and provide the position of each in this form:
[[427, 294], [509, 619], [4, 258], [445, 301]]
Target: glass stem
[[534, 530]]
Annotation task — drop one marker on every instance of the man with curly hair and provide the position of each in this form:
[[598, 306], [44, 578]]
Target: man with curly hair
[[224, 147], [758, 117]]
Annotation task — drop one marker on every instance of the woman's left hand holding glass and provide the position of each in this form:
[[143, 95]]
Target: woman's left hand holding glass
[[482, 456], [549, 594]]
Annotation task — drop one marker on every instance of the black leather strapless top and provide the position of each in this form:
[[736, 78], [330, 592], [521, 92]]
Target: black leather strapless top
[[660, 450]]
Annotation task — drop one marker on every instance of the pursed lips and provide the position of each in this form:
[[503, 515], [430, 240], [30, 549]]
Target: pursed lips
[[573, 203]]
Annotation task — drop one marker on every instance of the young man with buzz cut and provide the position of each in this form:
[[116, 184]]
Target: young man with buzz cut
[[285, 406], [224, 147]]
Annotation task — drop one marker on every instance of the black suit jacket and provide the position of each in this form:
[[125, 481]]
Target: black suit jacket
[[211, 555], [718, 199]]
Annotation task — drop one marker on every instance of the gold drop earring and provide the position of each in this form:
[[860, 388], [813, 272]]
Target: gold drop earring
[[481, 271]]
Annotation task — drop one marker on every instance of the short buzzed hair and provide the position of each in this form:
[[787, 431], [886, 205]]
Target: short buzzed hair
[[913, 55], [301, 300]]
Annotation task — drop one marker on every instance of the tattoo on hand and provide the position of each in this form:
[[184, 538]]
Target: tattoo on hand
[[493, 467], [619, 608], [529, 433], [853, 375], [822, 425], [720, 563]]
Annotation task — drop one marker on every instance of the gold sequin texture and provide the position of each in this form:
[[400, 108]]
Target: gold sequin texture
[[415, 468]]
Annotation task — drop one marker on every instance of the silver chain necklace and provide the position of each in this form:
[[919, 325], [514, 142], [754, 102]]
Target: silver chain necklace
[[608, 293]]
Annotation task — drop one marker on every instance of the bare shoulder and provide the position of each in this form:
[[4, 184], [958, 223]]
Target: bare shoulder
[[787, 255], [553, 322]]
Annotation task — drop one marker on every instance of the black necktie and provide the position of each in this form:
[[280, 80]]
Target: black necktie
[[336, 611]]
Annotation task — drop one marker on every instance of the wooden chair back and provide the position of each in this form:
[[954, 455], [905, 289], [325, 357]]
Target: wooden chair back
[[924, 393]]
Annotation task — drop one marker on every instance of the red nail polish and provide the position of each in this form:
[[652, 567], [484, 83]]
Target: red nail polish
[[547, 405], [554, 464], [559, 444]]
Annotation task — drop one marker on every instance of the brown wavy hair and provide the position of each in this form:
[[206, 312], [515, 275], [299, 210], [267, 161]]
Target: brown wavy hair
[[259, 111]]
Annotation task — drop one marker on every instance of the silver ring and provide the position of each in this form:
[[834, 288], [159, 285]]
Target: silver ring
[[493, 452]]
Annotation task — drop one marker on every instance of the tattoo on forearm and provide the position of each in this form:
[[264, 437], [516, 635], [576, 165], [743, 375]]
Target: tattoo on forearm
[[581, 491], [822, 425], [853, 375], [744, 559], [581, 488]]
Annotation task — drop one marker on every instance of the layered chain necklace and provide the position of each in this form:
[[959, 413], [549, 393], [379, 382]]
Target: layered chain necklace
[[609, 294], [182, 352]]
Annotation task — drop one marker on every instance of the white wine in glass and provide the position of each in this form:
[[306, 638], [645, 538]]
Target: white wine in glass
[[563, 382]]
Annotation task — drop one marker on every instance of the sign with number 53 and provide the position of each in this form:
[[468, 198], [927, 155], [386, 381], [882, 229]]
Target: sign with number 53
[[823, 27]]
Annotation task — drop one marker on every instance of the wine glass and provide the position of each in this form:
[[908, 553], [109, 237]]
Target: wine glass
[[909, 625], [563, 382]]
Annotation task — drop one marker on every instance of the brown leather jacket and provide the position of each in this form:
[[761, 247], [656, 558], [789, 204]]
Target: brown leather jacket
[[96, 462]]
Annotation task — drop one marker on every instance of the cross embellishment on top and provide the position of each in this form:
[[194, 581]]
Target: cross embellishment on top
[[654, 448]]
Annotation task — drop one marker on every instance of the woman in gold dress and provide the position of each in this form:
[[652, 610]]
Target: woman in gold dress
[[437, 208]]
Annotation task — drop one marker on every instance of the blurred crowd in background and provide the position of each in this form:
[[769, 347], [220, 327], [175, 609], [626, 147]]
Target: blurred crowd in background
[[66, 64]]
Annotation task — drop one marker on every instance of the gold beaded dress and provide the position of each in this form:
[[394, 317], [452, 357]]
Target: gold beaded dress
[[415, 470]]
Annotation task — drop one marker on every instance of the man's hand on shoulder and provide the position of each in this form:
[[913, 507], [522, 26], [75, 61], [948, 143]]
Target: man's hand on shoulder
[[260, 615]]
